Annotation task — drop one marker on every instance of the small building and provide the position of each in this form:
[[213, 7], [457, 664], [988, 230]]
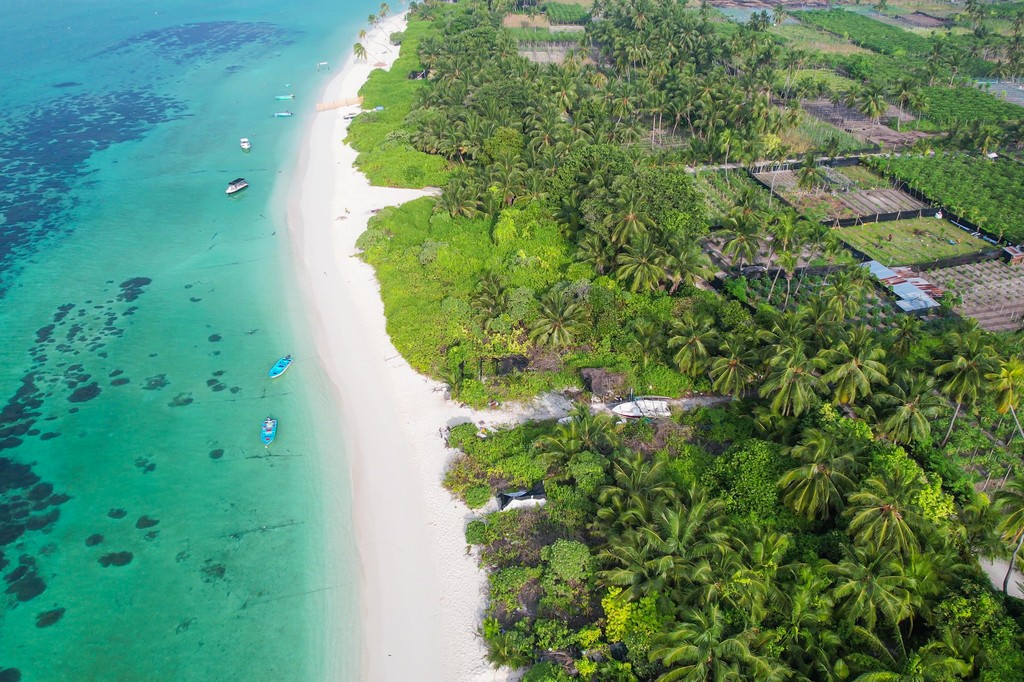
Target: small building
[[915, 293], [1014, 255]]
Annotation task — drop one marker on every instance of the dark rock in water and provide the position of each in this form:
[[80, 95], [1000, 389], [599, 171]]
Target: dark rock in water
[[212, 571], [85, 393], [214, 338], [236, 389], [28, 588], [41, 521], [146, 522], [212, 382], [155, 383], [93, 540], [33, 432], [10, 443], [58, 499], [181, 400], [218, 387], [131, 289], [17, 574], [73, 410], [194, 299], [50, 435], [116, 373], [44, 333], [152, 535], [40, 491], [216, 454], [48, 618], [219, 373], [117, 513], [116, 559], [10, 675], [11, 532], [119, 382]]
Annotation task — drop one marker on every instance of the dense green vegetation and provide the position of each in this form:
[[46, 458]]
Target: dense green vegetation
[[988, 193], [967, 105], [382, 137], [824, 525], [562, 13]]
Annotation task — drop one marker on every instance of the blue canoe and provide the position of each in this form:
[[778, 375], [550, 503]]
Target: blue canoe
[[268, 431], [280, 366]]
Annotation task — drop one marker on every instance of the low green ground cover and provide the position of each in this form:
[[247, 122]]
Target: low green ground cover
[[866, 32], [543, 35], [382, 137], [812, 134], [919, 240], [805, 37], [862, 177], [988, 193], [725, 191]]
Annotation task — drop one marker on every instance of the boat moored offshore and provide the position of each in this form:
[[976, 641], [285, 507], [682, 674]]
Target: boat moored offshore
[[268, 431], [236, 185], [283, 114], [280, 367], [245, 144]]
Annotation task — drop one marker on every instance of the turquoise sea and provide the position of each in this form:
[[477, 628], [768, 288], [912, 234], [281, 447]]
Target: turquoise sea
[[145, 533]]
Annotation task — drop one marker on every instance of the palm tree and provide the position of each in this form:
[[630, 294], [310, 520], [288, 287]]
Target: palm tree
[[560, 317], [1010, 502], [699, 648], [913, 406], [856, 366], [685, 262], [640, 264], [828, 472], [359, 51], [883, 515], [693, 335], [810, 176], [741, 236], [871, 587], [969, 362], [791, 382], [734, 367], [1008, 382]]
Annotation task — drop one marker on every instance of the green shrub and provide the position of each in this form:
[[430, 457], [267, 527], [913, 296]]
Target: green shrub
[[477, 496], [476, 532]]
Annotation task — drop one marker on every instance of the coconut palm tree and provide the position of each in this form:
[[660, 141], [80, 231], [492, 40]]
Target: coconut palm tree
[[559, 319], [828, 472], [791, 384], [910, 406], [969, 360], [854, 366], [359, 51], [1008, 382], [734, 366], [883, 514], [641, 263], [871, 587], [1009, 501], [695, 336]]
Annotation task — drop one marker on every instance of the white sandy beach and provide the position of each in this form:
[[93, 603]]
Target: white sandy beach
[[421, 593]]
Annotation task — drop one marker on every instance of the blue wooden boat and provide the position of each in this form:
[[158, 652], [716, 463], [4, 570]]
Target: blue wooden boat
[[280, 366], [268, 431]]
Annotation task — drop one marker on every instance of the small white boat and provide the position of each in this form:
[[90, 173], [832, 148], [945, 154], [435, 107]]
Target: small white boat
[[236, 185], [643, 406], [284, 97], [283, 114], [245, 144]]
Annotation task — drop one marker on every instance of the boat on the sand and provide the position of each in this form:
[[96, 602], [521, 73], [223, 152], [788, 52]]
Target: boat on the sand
[[245, 144], [643, 406], [236, 185], [282, 114], [268, 431], [280, 367]]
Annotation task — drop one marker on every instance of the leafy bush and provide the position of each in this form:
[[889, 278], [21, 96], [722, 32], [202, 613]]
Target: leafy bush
[[477, 496], [476, 532]]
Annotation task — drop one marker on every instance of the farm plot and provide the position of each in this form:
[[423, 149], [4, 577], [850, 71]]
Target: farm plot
[[992, 292], [837, 199], [947, 105], [880, 201], [911, 242], [810, 39], [988, 193], [860, 126]]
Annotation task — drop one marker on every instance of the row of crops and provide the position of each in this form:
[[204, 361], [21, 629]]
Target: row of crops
[[946, 105], [988, 193], [543, 35], [558, 13], [866, 32], [894, 41]]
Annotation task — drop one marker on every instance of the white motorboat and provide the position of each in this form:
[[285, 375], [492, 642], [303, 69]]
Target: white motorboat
[[245, 144], [643, 406], [236, 185]]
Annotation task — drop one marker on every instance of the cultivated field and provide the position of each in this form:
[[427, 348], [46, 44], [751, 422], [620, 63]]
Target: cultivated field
[[907, 242], [992, 292]]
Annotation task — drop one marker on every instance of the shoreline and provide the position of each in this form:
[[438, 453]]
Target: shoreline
[[421, 596]]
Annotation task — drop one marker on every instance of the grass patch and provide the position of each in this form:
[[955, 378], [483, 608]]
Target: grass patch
[[862, 177], [382, 137], [920, 240], [811, 134], [803, 37]]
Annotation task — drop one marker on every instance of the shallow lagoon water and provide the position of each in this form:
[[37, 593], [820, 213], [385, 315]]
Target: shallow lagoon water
[[144, 531]]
